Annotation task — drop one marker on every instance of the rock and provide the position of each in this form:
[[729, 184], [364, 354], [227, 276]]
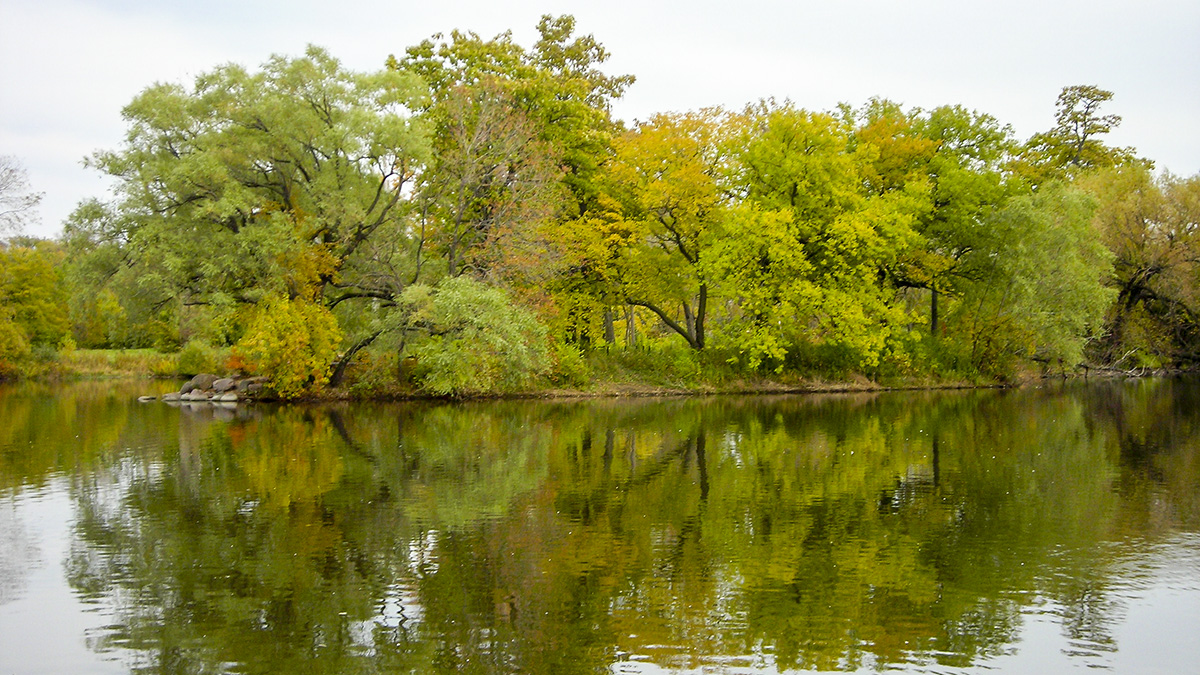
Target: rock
[[202, 381], [173, 396], [146, 399], [228, 397], [224, 384], [246, 384]]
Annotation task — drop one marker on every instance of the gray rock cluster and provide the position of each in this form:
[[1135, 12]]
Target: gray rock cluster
[[206, 387]]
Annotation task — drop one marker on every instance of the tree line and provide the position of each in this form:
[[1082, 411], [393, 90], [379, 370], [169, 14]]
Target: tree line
[[471, 218]]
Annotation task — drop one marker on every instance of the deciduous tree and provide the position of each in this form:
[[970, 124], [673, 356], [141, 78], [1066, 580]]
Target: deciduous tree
[[254, 184], [17, 201]]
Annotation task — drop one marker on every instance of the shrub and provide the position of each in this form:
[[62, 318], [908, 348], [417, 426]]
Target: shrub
[[197, 357], [475, 340], [293, 342], [570, 368]]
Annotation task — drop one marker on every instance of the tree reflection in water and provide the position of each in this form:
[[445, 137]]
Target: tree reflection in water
[[831, 532]]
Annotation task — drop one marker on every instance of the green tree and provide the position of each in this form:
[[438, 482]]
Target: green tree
[[254, 184], [491, 180], [967, 183], [1041, 283], [33, 298], [666, 177], [558, 85], [519, 136], [821, 283], [1073, 145]]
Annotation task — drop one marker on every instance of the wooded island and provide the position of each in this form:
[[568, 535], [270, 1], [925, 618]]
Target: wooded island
[[471, 220]]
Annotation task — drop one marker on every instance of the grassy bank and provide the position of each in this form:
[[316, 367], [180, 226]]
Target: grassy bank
[[103, 363], [601, 373]]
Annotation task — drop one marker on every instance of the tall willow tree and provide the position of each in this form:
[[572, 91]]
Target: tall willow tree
[[255, 186], [253, 183]]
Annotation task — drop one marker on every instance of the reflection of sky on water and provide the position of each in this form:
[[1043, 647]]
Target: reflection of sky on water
[[1154, 590], [44, 629], [17, 554]]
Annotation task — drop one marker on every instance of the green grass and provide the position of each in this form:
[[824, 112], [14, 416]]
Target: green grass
[[115, 363]]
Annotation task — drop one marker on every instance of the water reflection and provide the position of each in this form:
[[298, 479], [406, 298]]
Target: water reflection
[[918, 531]]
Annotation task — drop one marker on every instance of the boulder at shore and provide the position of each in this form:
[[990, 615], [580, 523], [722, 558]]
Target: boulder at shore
[[203, 382], [209, 388]]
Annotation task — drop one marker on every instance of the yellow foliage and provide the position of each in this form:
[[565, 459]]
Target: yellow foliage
[[293, 342], [14, 347], [307, 267]]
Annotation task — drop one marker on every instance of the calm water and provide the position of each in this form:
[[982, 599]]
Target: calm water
[[1041, 530]]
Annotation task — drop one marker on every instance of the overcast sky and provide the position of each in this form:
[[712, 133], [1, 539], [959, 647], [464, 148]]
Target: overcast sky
[[67, 67]]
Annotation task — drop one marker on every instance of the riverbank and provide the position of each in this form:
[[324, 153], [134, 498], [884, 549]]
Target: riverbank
[[607, 377]]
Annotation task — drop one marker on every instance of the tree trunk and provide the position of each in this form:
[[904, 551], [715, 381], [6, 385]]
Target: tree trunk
[[933, 312], [339, 372], [688, 331]]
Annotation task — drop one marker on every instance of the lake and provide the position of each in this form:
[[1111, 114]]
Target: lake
[[1044, 529]]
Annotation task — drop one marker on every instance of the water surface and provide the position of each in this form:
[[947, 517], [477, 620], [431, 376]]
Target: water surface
[[1038, 530]]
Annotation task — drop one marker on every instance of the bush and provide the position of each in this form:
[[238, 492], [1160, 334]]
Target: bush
[[197, 357], [570, 369], [475, 340], [293, 342]]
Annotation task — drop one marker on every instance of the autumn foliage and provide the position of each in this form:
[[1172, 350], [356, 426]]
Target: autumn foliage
[[293, 342], [473, 215]]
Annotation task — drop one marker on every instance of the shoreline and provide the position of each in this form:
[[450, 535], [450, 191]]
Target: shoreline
[[613, 390], [139, 365]]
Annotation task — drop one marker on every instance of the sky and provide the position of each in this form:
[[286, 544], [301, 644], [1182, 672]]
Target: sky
[[67, 67]]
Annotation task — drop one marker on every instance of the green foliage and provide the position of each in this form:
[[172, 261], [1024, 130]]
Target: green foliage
[[470, 339], [14, 346], [33, 317], [812, 277], [870, 241], [292, 341], [198, 356], [246, 186], [1150, 225], [32, 291], [1042, 291], [1073, 147], [557, 86], [568, 368]]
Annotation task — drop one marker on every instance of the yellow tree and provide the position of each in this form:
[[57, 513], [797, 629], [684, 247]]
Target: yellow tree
[[665, 175]]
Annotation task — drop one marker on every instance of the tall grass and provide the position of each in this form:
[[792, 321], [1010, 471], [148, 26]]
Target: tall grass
[[115, 363]]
